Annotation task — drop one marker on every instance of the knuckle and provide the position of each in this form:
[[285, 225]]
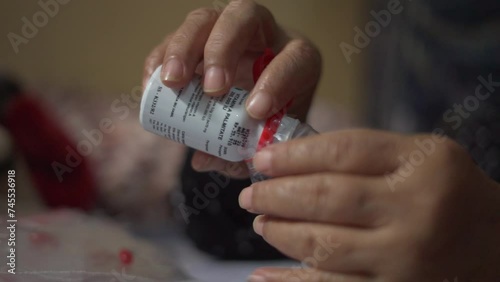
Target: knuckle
[[271, 82], [455, 165], [302, 46], [450, 148], [346, 197], [361, 206], [341, 198], [305, 51], [292, 60], [215, 44], [177, 41], [202, 14], [450, 153], [310, 243], [242, 5], [291, 153], [317, 200], [337, 148], [243, 11], [345, 250], [194, 21], [354, 198], [300, 59]]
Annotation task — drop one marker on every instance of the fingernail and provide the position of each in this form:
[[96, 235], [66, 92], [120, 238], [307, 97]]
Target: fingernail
[[215, 80], [201, 163], [256, 278], [259, 105], [262, 160], [258, 224], [245, 198], [174, 70]]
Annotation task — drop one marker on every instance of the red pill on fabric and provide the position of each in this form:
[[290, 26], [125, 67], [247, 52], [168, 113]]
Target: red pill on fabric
[[126, 256]]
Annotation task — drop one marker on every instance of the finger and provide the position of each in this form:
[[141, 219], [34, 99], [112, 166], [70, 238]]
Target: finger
[[153, 60], [185, 48], [367, 152], [302, 274], [338, 199], [326, 247], [203, 162], [293, 73], [240, 23]]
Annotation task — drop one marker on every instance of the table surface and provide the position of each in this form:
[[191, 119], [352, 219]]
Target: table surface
[[204, 268]]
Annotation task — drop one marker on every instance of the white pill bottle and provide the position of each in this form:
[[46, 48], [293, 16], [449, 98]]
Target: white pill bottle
[[219, 126]]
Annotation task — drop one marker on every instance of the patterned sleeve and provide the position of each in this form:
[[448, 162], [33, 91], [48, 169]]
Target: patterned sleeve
[[444, 72]]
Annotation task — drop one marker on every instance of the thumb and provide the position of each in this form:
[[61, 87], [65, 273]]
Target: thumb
[[294, 73]]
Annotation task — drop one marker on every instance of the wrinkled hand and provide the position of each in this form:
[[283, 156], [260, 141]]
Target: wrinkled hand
[[222, 47], [364, 205]]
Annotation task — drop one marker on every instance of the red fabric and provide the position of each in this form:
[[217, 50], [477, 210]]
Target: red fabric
[[43, 143]]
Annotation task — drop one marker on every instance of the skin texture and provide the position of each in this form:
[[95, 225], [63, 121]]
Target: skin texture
[[355, 205], [222, 47], [441, 221]]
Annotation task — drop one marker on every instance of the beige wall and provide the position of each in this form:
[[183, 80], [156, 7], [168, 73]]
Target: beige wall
[[102, 44]]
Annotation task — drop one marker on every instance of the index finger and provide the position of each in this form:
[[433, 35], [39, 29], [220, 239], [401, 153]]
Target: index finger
[[367, 152], [242, 26]]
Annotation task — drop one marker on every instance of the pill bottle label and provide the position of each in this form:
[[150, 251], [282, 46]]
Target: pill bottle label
[[219, 126]]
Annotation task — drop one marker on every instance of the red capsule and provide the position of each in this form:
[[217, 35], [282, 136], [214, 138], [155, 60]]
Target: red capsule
[[126, 256]]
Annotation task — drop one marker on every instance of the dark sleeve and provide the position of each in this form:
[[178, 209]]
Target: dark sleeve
[[464, 11], [466, 46], [444, 72]]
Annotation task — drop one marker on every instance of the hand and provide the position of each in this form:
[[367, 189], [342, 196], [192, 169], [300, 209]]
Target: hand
[[365, 205], [228, 43]]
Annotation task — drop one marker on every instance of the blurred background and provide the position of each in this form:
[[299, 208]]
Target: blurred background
[[102, 44]]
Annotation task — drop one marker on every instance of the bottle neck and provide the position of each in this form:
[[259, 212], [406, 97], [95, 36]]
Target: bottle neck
[[286, 129], [281, 128]]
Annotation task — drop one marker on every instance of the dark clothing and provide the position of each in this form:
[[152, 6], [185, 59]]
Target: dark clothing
[[437, 66]]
